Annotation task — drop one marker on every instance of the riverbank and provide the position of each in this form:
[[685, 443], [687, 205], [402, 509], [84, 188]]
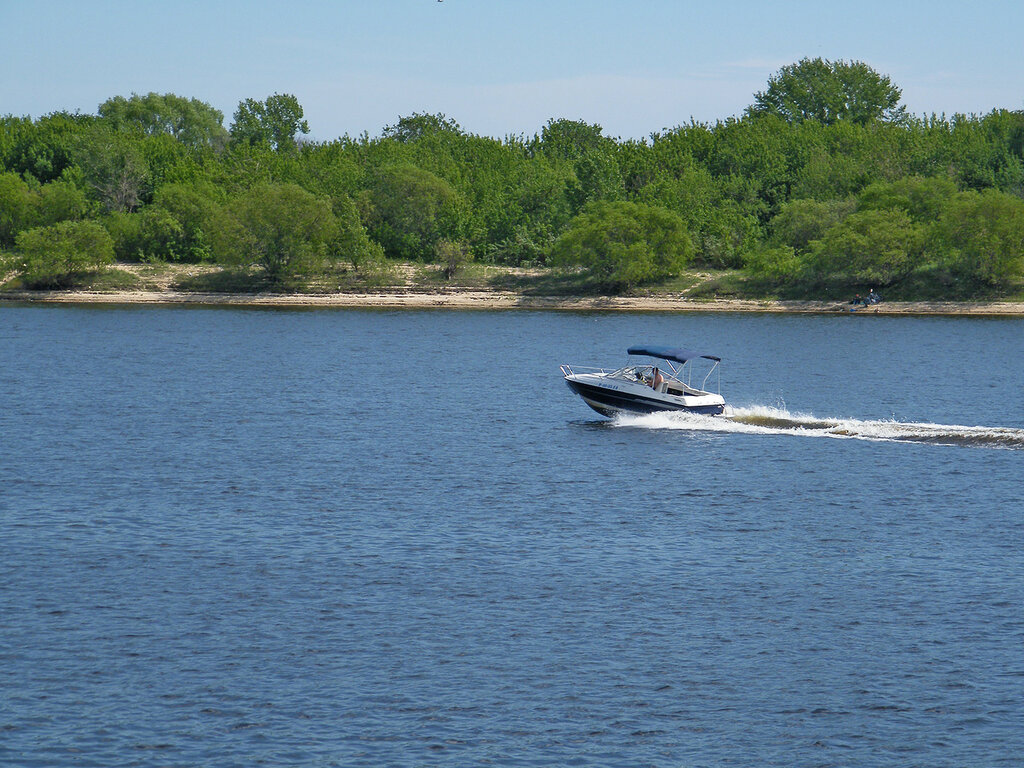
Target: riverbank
[[503, 300], [162, 287]]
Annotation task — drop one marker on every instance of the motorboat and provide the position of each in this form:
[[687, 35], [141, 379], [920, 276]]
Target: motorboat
[[648, 387]]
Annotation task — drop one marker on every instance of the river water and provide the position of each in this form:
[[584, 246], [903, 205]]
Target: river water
[[396, 538]]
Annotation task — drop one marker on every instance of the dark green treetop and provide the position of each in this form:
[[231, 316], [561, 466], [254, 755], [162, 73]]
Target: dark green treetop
[[274, 122], [829, 91]]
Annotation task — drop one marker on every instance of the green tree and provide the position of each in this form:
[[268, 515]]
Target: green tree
[[800, 222], [418, 126], [61, 200], [922, 198], [352, 242], [194, 205], [114, 167], [780, 264], [152, 234], [412, 210], [44, 150], [716, 211], [828, 91], [625, 244], [16, 207], [280, 227], [274, 122], [569, 139], [190, 121], [57, 255], [452, 255], [981, 236], [877, 247], [596, 174], [24, 207]]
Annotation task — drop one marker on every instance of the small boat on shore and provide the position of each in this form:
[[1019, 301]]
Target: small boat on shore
[[647, 387]]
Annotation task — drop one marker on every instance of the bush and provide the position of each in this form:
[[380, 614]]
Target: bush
[[193, 206], [452, 255], [15, 207], [780, 264], [280, 227], [151, 235], [981, 236], [412, 210], [801, 222], [57, 255], [625, 244], [352, 243], [876, 247]]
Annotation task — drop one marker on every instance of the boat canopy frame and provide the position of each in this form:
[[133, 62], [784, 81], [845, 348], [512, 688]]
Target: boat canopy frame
[[681, 356], [676, 354]]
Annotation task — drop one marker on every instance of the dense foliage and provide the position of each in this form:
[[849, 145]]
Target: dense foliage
[[825, 183], [625, 244]]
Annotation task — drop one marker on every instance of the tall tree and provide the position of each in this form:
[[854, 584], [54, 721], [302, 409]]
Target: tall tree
[[114, 167], [592, 157], [275, 121], [192, 122], [45, 148], [569, 139], [829, 91], [417, 125]]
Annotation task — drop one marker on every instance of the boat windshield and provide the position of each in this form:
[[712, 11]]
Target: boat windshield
[[678, 374]]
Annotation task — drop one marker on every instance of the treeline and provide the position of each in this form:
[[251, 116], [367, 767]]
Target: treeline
[[824, 181]]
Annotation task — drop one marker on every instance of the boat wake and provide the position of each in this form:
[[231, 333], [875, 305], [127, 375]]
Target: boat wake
[[765, 420]]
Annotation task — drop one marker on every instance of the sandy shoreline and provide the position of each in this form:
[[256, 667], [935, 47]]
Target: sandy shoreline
[[485, 299]]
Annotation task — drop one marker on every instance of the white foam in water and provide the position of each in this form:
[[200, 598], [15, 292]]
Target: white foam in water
[[766, 420]]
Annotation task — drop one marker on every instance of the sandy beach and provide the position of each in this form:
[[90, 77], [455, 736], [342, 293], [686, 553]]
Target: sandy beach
[[456, 298], [410, 295]]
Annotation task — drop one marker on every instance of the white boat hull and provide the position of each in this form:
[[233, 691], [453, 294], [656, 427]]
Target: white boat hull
[[612, 396]]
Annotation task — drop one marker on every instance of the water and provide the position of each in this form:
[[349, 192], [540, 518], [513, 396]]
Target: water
[[337, 538]]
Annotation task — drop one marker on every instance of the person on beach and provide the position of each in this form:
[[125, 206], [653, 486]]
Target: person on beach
[[873, 298], [857, 300]]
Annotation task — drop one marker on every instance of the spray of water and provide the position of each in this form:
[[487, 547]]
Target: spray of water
[[765, 420]]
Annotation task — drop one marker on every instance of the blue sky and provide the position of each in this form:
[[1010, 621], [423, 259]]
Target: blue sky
[[499, 67]]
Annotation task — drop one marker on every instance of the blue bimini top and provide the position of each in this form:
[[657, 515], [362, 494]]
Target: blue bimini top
[[677, 354]]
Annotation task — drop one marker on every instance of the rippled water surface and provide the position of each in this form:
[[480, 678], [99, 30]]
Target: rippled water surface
[[339, 538]]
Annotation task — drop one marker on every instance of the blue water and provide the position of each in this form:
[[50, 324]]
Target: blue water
[[347, 538]]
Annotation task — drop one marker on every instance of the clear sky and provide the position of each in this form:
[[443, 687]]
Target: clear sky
[[499, 67]]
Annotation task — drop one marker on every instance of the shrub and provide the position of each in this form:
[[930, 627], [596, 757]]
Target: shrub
[[981, 236], [779, 264], [625, 244], [56, 255], [280, 227], [878, 247]]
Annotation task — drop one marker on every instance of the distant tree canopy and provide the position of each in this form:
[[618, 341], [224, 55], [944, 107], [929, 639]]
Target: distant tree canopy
[[418, 126], [824, 184], [190, 121], [829, 91], [274, 122]]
